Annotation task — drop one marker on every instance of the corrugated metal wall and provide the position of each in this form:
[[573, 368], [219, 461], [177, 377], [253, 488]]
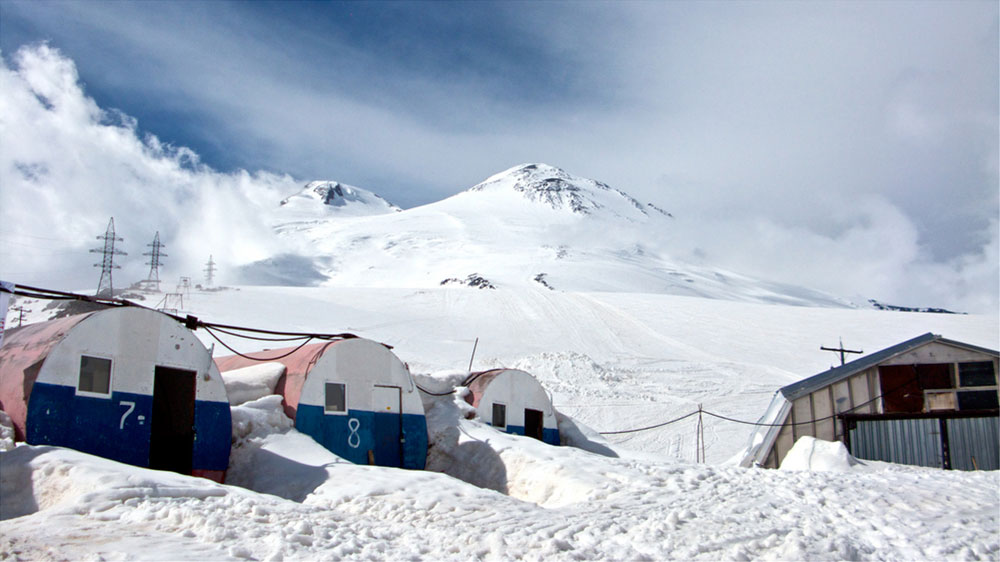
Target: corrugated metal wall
[[915, 441], [919, 442], [977, 438]]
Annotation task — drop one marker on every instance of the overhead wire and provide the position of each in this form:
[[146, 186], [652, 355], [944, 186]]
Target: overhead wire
[[193, 322], [760, 424]]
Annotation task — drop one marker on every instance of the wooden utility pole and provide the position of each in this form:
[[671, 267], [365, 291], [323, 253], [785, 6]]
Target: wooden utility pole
[[841, 350]]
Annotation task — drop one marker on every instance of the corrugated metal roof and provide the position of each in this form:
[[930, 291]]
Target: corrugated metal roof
[[826, 378]]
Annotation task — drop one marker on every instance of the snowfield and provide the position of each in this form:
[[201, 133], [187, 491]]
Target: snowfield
[[612, 361], [561, 503]]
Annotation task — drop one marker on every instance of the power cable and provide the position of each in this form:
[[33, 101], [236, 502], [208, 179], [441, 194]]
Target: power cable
[[260, 359], [675, 420]]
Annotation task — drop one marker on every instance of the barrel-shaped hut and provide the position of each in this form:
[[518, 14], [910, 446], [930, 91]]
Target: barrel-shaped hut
[[128, 383], [353, 396], [513, 401]]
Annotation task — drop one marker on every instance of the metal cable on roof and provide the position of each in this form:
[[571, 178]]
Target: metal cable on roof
[[262, 360], [429, 393]]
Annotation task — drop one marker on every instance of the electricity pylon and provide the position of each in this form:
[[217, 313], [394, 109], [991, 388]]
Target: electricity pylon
[[209, 271], [108, 261], [154, 260]]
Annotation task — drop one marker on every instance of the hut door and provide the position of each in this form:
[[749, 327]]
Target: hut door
[[388, 425], [172, 427], [533, 423]]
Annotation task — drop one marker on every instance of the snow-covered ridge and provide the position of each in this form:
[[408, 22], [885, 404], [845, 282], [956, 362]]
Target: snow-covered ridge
[[560, 190]]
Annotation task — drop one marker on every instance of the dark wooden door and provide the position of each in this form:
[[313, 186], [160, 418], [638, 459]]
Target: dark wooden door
[[901, 390], [533, 423], [172, 431]]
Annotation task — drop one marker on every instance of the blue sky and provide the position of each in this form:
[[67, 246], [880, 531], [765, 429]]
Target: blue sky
[[821, 124]]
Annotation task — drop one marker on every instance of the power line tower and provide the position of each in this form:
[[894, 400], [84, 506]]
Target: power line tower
[[154, 260], [108, 262], [209, 271]]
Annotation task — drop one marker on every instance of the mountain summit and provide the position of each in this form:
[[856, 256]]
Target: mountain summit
[[558, 189], [319, 197]]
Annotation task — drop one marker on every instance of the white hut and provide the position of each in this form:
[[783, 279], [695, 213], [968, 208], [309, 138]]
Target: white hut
[[928, 401], [514, 402], [353, 396], [129, 384]]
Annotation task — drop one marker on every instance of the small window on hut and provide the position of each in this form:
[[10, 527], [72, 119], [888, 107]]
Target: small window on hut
[[499, 415], [979, 373], [95, 374], [336, 397]]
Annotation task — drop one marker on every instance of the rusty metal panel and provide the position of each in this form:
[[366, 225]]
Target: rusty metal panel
[[904, 441], [977, 438]]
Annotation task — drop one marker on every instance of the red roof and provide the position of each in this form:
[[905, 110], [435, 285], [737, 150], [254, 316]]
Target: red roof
[[21, 356]]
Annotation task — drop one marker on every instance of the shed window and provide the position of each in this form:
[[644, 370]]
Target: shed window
[[95, 374], [336, 397], [499, 415], [979, 373], [978, 400]]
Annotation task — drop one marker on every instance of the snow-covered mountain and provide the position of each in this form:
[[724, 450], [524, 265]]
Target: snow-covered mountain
[[531, 225], [325, 198]]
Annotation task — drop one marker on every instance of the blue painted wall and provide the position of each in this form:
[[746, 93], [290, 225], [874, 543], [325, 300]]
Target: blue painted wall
[[550, 436], [57, 416], [353, 439]]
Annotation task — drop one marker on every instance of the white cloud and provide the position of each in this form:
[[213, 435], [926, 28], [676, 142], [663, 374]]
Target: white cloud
[[812, 147], [66, 166]]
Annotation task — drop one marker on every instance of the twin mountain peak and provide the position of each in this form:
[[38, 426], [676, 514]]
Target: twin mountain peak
[[539, 183]]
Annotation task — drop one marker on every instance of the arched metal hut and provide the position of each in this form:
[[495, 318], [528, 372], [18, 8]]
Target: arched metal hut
[[353, 396], [129, 384], [515, 402]]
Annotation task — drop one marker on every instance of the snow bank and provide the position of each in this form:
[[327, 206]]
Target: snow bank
[[575, 434], [253, 382], [521, 467], [810, 453], [35, 478], [6, 432]]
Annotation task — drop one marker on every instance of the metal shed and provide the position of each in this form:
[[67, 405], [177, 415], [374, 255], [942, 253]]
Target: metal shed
[[514, 402], [928, 401], [353, 396], [129, 384]]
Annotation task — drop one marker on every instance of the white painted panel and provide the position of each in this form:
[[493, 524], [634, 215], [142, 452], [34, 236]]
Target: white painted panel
[[803, 413], [841, 397], [518, 390], [136, 340], [385, 399], [783, 444], [822, 408], [859, 390], [362, 364], [937, 352]]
